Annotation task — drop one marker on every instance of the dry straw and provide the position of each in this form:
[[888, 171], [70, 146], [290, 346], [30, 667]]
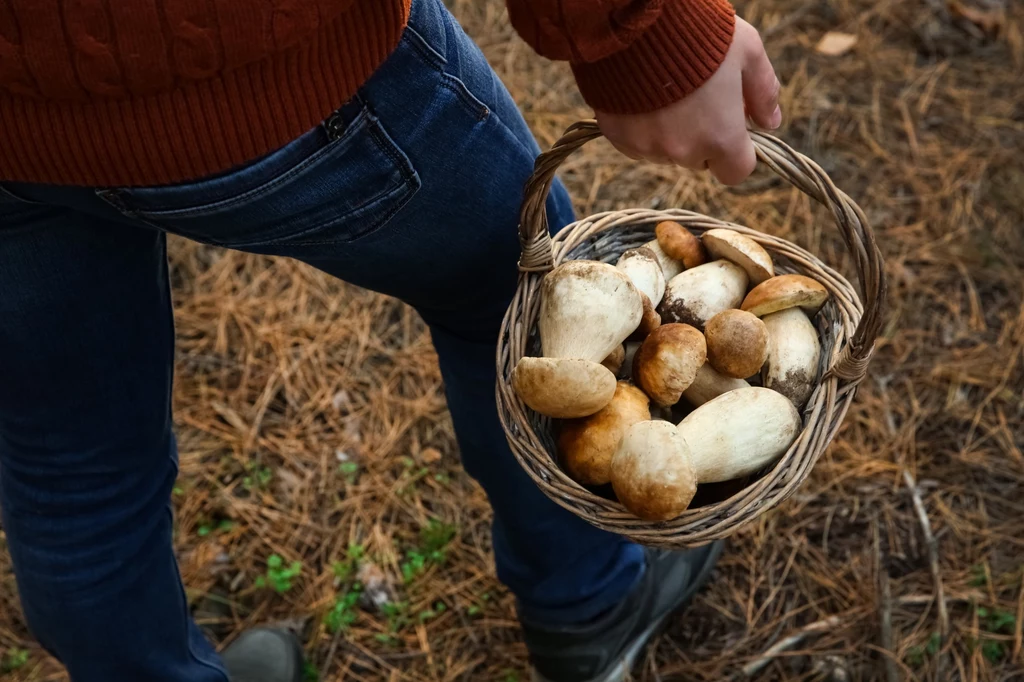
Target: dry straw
[[847, 327]]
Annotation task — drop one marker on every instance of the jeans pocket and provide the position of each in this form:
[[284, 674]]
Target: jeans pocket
[[335, 184]]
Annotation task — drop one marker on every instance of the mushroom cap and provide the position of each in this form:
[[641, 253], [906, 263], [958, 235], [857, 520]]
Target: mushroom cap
[[794, 352], [709, 384], [786, 291], [587, 308], [563, 388], [695, 296], [615, 359], [667, 362], [669, 266], [651, 471], [650, 321], [739, 433], [587, 444], [737, 343], [679, 243], [741, 250], [643, 268]]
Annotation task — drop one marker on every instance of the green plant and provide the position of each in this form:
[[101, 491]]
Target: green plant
[[13, 660], [979, 577], [397, 614], [279, 576], [443, 478], [915, 657], [993, 651], [310, 673], [510, 675], [434, 540], [345, 569], [429, 614], [343, 613], [259, 476], [222, 527], [934, 644], [997, 621], [349, 470]]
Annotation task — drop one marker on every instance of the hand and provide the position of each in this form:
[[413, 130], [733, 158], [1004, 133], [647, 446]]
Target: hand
[[707, 129]]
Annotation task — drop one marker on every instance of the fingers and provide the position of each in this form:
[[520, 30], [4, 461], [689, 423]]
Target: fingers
[[761, 87], [735, 161]]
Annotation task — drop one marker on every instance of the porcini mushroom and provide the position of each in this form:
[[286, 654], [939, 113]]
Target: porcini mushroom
[[785, 291], [794, 352], [667, 362], [669, 266], [709, 384], [650, 321], [741, 250], [563, 388], [739, 433], [644, 270], [615, 359], [587, 444], [679, 243], [737, 343], [587, 309], [651, 471], [695, 296]]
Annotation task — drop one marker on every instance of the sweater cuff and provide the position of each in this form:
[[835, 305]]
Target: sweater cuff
[[674, 57]]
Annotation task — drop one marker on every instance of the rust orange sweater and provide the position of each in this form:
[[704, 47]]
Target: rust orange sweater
[[146, 92]]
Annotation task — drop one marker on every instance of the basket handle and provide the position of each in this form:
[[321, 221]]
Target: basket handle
[[792, 166]]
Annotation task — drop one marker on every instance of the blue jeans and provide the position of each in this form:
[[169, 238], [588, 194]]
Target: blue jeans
[[411, 189]]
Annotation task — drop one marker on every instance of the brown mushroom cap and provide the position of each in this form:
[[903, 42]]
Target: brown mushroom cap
[[667, 362], [587, 444], [679, 243], [737, 343], [615, 359], [741, 250], [651, 471], [648, 323], [785, 291], [563, 388], [669, 266]]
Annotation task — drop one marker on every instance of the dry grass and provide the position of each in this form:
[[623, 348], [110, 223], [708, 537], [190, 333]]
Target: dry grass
[[282, 373]]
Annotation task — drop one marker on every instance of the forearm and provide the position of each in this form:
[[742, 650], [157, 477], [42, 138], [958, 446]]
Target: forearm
[[630, 56]]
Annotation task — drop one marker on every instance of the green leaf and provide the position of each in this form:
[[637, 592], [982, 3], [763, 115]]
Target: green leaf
[[177, 491], [355, 552], [993, 651], [915, 657], [310, 673], [13, 660], [260, 582], [978, 576], [204, 530], [934, 642], [274, 561], [474, 610]]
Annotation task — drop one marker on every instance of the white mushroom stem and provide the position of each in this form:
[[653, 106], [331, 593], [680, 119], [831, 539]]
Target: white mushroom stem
[[643, 269], [739, 433], [794, 352], [587, 309], [709, 384]]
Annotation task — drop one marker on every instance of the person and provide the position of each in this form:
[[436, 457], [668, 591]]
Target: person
[[371, 140]]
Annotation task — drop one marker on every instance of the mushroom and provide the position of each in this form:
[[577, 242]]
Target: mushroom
[[615, 359], [741, 250], [669, 266], [587, 444], [695, 296], [651, 472], [739, 433], [644, 270], [627, 363], [667, 362], [793, 355], [650, 321], [679, 243], [786, 291], [587, 309], [563, 388], [737, 343], [709, 384]]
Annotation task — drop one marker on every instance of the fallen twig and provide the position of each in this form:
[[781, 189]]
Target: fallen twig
[[788, 643], [885, 608], [933, 562]]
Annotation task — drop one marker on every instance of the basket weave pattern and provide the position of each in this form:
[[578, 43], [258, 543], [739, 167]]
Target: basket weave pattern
[[847, 329]]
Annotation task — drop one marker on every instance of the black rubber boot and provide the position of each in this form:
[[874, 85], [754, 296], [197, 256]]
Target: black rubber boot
[[264, 655], [604, 650]]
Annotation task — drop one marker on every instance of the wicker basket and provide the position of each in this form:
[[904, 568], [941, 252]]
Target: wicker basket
[[847, 329]]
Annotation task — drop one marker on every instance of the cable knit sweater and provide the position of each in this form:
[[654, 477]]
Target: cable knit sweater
[[147, 92]]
